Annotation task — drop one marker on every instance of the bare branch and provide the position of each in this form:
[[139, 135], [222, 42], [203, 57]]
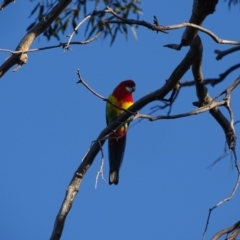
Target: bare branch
[[212, 81], [221, 54], [228, 230], [223, 155], [63, 45], [201, 29], [24, 45], [95, 148], [28, 39], [100, 172], [84, 20], [200, 10], [157, 28], [191, 113], [204, 98], [80, 80], [225, 199], [228, 127], [163, 29], [5, 3]]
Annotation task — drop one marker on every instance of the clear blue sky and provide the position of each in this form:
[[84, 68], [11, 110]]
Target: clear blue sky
[[48, 122]]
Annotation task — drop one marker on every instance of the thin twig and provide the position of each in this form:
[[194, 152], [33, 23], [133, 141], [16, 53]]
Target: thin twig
[[101, 167], [80, 80], [55, 46], [67, 46], [227, 198], [167, 28], [191, 113], [75, 30], [126, 21], [212, 81], [223, 155], [221, 54]]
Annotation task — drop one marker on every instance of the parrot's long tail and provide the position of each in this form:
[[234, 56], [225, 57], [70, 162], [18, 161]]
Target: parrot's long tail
[[113, 177], [115, 152]]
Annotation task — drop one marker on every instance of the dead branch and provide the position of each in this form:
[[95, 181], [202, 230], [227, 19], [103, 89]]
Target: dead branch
[[88, 159], [200, 10], [84, 20], [28, 39], [62, 45], [227, 198], [188, 114], [5, 3], [204, 98], [222, 156], [207, 107], [23, 47], [160, 28], [212, 81], [232, 229], [228, 127], [80, 80], [100, 172], [221, 54]]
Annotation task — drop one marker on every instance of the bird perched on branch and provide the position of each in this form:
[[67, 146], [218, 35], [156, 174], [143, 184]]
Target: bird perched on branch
[[122, 98]]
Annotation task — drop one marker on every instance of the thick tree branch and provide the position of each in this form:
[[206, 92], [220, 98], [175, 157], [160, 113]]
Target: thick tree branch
[[204, 98], [200, 10], [31, 35], [233, 229]]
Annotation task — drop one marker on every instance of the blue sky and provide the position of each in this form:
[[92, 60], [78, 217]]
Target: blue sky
[[48, 122]]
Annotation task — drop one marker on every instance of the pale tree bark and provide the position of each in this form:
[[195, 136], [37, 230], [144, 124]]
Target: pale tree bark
[[25, 43]]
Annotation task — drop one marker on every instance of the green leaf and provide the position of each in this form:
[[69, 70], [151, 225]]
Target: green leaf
[[34, 10]]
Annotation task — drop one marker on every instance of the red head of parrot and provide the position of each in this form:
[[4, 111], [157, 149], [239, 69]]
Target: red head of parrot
[[121, 97]]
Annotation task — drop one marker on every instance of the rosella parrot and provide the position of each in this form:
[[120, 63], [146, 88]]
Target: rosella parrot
[[121, 97]]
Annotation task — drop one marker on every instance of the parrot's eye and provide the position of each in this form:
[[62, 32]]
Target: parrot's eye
[[130, 88]]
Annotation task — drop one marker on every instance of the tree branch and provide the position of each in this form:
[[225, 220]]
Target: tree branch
[[160, 28], [84, 20], [228, 127], [228, 230], [88, 159], [80, 80], [5, 3], [28, 39], [221, 54], [212, 81], [19, 56], [227, 198], [63, 45], [200, 10], [191, 113]]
